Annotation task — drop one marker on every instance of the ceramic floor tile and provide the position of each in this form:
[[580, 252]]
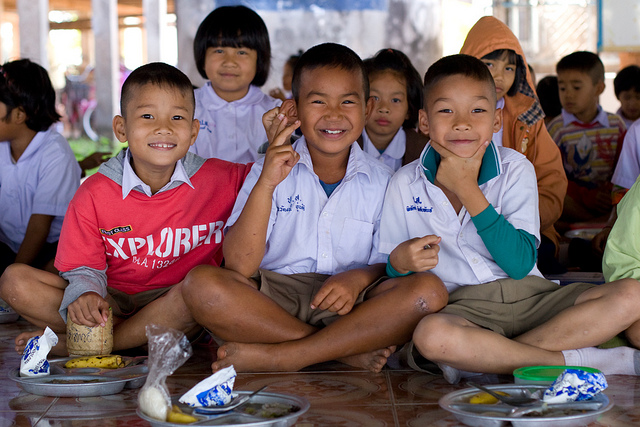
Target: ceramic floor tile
[[348, 416]]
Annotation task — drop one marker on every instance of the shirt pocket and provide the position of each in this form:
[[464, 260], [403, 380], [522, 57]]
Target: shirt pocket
[[355, 242]]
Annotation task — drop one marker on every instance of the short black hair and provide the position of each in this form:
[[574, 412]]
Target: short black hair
[[293, 59], [399, 63], [549, 96], [628, 78], [585, 62], [25, 84], [457, 65], [234, 26], [159, 74], [330, 55], [512, 57]]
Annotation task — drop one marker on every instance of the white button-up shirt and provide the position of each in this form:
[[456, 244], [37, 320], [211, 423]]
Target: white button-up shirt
[[393, 154], [628, 166], [415, 207], [42, 181], [231, 131], [309, 232]]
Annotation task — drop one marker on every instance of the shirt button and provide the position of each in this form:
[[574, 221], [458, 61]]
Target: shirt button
[[475, 260], [325, 214], [324, 255], [445, 203]]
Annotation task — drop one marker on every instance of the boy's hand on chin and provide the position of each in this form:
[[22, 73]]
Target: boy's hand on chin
[[90, 309], [458, 173], [417, 254], [280, 157]]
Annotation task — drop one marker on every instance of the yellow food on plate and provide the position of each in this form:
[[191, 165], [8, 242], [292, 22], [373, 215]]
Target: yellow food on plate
[[177, 416], [484, 398], [107, 362]]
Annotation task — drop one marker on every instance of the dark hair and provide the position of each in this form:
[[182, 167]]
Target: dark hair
[[512, 57], [159, 74], [330, 55], [293, 59], [585, 62], [25, 84], [628, 78], [399, 63], [234, 26], [548, 95], [454, 65]]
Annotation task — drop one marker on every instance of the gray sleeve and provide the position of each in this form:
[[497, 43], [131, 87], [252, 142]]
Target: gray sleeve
[[82, 280]]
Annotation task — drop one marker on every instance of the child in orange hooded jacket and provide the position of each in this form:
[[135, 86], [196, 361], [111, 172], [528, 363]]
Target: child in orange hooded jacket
[[523, 126]]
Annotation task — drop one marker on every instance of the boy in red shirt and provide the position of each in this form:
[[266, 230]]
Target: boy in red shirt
[[134, 229]]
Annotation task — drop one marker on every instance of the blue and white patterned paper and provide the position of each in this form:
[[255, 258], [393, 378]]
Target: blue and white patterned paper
[[215, 390], [575, 385]]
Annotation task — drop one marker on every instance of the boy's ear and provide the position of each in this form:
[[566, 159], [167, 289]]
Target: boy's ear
[[423, 121], [600, 87], [195, 129], [497, 120], [119, 129], [290, 109], [18, 115]]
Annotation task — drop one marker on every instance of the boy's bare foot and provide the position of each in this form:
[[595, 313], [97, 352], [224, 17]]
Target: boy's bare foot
[[59, 349], [373, 361], [266, 358]]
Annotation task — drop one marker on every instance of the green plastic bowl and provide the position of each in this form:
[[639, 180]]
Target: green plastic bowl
[[544, 375]]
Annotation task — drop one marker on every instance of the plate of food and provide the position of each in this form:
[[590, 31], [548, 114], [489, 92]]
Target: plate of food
[[264, 409], [473, 408], [86, 376]]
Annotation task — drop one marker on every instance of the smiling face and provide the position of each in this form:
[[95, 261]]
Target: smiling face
[[578, 94], [390, 107], [159, 126], [332, 110], [230, 70], [504, 73], [460, 114]]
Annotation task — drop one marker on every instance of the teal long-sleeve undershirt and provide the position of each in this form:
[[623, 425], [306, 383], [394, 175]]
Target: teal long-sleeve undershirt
[[514, 250]]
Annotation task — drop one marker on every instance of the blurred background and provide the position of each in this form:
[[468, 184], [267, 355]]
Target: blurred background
[[89, 46]]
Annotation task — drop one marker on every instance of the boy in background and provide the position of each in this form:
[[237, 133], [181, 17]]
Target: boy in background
[[301, 254], [134, 229], [589, 138], [480, 202], [626, 86]]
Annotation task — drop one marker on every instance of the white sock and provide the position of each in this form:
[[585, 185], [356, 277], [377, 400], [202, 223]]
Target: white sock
[[611, 361], [453, 375]]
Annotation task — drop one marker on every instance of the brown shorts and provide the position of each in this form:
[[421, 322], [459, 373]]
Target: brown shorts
[[294, 292], [125, 305], [508, 307]]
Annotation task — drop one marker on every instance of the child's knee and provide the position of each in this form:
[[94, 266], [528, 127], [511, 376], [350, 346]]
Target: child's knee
[[431, 293], [202, 284], [12, 276]]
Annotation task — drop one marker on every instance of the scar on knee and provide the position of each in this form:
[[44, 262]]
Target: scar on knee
[[422, 305]]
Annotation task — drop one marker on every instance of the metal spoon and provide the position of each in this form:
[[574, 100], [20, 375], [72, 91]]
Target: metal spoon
[[509, 400], [235, 403]]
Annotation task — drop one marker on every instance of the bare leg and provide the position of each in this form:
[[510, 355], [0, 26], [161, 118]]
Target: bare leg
[[387, 318], [456, 342]]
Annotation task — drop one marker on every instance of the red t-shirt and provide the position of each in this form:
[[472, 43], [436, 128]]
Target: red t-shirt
[[149, 242]]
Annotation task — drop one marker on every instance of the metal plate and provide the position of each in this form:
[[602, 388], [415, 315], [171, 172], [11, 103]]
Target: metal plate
[[86, 381], [236, 418], [7, 315], [457, 403]]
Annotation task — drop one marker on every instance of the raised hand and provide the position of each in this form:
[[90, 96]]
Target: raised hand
[[276, 119], [417, 254], [280, 156]]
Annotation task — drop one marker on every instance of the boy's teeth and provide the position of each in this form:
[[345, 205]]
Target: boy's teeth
[[333, 132]]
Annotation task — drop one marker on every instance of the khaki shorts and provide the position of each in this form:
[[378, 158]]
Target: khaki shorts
[[508, 307], [125, 305], [294, 292]]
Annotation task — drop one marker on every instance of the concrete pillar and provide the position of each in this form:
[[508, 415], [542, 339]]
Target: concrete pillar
[[104, 21], [34, 30], [155, 12], [189, 15]]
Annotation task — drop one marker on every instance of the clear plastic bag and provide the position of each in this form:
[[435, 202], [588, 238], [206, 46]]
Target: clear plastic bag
[[168, 350]]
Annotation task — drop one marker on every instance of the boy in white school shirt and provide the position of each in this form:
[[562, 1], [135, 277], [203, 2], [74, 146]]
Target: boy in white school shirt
[[301, 252], [481, 201]]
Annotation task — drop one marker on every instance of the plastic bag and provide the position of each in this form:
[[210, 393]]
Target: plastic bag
[[168, 350], [34, 357]]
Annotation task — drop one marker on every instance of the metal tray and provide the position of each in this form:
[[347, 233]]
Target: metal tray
[[496, 415], [236, 417], [92, 381], [7, 315]]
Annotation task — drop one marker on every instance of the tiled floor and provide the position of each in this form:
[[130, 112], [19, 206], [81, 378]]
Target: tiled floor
[[339, 396]]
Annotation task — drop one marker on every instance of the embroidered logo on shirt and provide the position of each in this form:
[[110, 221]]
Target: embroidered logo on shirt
[[295, 203], [204, 125], [115, 230], [416, 206]]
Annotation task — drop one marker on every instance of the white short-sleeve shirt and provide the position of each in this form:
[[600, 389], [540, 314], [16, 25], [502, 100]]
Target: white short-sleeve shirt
[[42, 181], [393, 154], [415, 207], [628, 167], [309, 232], [231, 131]]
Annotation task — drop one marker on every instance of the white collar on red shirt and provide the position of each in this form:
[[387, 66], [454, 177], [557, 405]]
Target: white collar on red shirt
[[602, 117], [132, 181]]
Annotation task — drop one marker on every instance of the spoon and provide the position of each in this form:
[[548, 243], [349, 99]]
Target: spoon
[[235, 403], [509, 400]]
